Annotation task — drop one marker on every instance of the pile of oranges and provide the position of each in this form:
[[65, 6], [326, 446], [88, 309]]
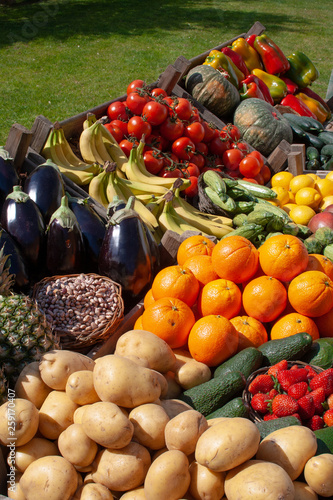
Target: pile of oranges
[[302, 196], [220, 298]]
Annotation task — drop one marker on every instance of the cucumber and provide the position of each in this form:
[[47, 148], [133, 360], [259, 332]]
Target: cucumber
[[299, 134], [326, 137], [246, 361], [211, 395], [258, 190], [327, 150], [314, 140], [328, 165], [239, 220], [324, 440], [267, 427], [248, 231], [313, 164], [234, 408], [312, 153], [289, 348], [307, 123], [266, 205], [320, 354], [261, 217]]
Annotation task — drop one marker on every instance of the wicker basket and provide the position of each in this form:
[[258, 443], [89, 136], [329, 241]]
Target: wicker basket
[[88, 326], [254, 415]]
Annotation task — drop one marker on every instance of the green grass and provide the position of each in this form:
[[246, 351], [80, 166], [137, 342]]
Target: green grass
[[59, 58]]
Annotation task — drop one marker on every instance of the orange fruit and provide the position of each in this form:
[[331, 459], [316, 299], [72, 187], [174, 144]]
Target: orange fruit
[[170, 319], [264, 298], [212, 340], [222, 297], [293, 323], [178, 282], [235, 258], [251, 332], [283, 257], [324, 324], [311, 293], [138, 323], [202, 268], [194, 245], [318, 262], [148, 298]]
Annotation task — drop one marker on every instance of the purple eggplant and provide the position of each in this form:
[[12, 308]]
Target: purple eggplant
[[22, 219], [125, 255], [46, 188], [92, 228], [15, 262], [65, 247], [8, 175]]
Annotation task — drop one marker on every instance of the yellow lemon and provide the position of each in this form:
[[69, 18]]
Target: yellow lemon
[[301, 214], [308, 196], [288, 206], [329, 176], [313, 176], [282, 194], [324, 186], [291, 197], [282, 179], [325, 202], [300, 182]]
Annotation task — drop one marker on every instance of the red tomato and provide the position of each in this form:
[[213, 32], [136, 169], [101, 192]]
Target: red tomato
[[231, 158], [201, 147], [157, 92], [233, 173], [259, 178], [183, 108], [192, 189], [115, 131], [170, 172], [153, 162], [249, 166], [242, 146], [126, 146], [250, 179], [259, 157], [195, 116], [134, 85], [191, 169], [183, 147], [170, 160], [199, 160], [121, 124], [216, 169], [117, 111], [172, 128], [232, 131], [219, 145], [170, 102], [266, 173], [156, 141], [136, 102], [155, 112], [195, 132], [138, 127], [210, 131], [214, 161]]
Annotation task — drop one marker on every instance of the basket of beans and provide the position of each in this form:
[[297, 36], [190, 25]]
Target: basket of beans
[[82, 309]]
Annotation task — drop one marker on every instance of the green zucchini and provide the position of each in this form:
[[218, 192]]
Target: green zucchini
[[312, 153], [239, 220], [290, 348], [267, 427], [258, 190], [326, 137], [299, 134], [234, 408], [307, 123], [248, 231], [328, 165], [313, 164], [314, 140], [261, 217], [327, 150], [265, 205]]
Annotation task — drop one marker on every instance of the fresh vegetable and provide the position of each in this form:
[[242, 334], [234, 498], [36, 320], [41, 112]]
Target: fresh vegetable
[[277, 87], [220, 61], [274, 60], [291, 348], [234, 408], [261, 85], [248, 53], [246, 361], [236, 59], [266, 427], [302, 71], [8, 175], [297, 105], [315, 106]]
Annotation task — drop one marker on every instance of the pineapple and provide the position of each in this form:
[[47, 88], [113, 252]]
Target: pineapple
[[25, 335]]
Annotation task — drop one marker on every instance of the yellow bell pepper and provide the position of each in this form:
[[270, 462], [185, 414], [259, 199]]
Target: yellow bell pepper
[[248, 53], [315, 106], [223, 63]]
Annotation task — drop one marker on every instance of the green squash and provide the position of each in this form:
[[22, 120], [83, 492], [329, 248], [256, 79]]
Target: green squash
[[262, 125], [209, 87]]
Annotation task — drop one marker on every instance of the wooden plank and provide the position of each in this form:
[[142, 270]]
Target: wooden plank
[[329, 93], [278, 158], [256, 29], [169, 78], [17, 144], [40, 131], [295, 163], [299, 148]]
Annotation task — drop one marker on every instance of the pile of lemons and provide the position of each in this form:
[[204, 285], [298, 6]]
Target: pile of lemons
[[302, 196]]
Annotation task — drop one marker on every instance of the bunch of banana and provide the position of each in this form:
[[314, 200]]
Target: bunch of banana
[[97, 144], [58, 149]]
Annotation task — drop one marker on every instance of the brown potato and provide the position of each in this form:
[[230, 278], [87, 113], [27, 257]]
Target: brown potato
[[304, 492], [318, 473], [18, 423], [76, 446], [174, 389], [56, 414], [206, 483], [56, 366], [136, 494], [174, 406], [93, 491], [80, 388], [36, 448], [189, 372], [29, 385], [14, 490], [183, 431], [149, 421]]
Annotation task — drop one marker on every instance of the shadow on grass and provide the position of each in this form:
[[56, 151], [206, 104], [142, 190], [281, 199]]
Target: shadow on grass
[[60, 20]]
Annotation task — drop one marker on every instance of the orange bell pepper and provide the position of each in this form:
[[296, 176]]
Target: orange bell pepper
[[315, 106], [248, 53]]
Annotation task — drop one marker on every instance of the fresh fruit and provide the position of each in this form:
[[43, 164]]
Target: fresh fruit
[[202, 268], [283, 257], [282, 179], [282, 195], [284, 405], [300, 182], [177, 282], [323, 379], [259, 402], [251, 332], [194, 245], [308, 196], [261, 383], [220, 297], [297, 390], [322, 219], [212, 340], [324, 187], [328, 418], [324, 324], [292, 323], [306, 408], [301, 214], [281, 365], [287, 378], [311, 293], [264, 298]]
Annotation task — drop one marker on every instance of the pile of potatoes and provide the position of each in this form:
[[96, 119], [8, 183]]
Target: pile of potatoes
[[113, 428]]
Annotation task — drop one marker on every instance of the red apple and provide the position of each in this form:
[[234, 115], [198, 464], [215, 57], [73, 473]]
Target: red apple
[[329, 208], [323, 219]]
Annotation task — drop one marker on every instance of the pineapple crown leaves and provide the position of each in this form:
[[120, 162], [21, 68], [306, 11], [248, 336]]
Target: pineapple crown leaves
[[6, 279]]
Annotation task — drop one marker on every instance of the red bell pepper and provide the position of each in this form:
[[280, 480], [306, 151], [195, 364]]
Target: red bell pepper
[[250, 39], [297, 105], [274, 60], [251, 90], [236, 59], [262, 86], [292, 87], [310, 93]]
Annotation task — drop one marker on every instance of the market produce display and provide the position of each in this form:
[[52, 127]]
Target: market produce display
[[222, 385]]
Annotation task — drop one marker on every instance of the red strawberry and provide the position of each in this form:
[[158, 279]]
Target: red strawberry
[[287, 378], [311, 372], [262, 383], [298, 390], [270, 416], [272, 393], [315, 423], [318, 396], [323, 379], [259, 402], [284, 405], [330, 401], [306, 407], [281, 365], [328, 417]]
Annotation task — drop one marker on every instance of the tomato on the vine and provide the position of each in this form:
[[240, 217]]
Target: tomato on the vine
[[210, 131], [121, 124], [232, 131], [183, 108], [138, 127], [156, 141], [157, 91], [170, 160], [126, 146], [192, 189], [172, 128], [199, 160], [202, 147], [231, 158], [117, 111], [195, 132], [134, 85], [153, 162], [216, 169], [249, 166], [195, 116], [259, 157], [170, 172], [250, 179], [115, 131], [191, 169], [155, 112], [242, 146], [136, 102], [183, 147], [219, 145], [266, 173]]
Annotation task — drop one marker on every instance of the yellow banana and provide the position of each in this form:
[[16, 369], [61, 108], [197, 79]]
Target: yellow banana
[[113, 188], [138, 187], [113, 148], [97, 188], [100, 145], [87, 145], [71, 157]]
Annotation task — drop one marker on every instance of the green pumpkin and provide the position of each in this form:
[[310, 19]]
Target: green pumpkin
[[261, 125], [209, 87]]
